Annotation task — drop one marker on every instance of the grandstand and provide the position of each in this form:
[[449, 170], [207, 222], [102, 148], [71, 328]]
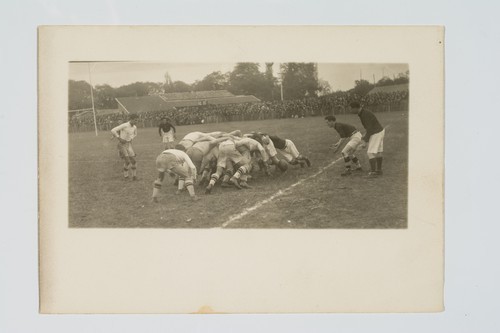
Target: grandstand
[[390, 89], [165, 102]]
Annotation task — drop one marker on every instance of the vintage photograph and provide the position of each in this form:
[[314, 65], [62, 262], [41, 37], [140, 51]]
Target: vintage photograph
[[257, 176], [300, 145]]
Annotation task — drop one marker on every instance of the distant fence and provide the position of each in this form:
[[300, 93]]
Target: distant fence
[[87, 124]]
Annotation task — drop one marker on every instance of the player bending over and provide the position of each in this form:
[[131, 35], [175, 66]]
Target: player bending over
[[248, 147], [199, 150], [193, 137], [286, 147], [175, 162], [125, 133], [228, 156], [353, 136]]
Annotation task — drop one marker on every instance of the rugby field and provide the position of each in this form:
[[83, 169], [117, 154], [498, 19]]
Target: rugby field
[[315, 197]]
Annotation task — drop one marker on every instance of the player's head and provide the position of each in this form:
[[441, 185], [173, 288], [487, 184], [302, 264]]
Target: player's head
[[133, 119], [355, 107], [330, 120], [164, 120], [264, 137], [180, 147]]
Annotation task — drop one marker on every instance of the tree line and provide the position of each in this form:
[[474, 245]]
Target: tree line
[[299, 80]]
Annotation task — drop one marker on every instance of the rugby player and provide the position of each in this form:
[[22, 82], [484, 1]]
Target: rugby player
[[167, 132], [125, 133], [350, 133], [374, 136], [178, 163]]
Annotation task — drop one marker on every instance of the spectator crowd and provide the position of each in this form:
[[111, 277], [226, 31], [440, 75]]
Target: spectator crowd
[[336, 103]]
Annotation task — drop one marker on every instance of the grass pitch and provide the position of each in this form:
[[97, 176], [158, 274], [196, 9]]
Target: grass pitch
[[315, 197]]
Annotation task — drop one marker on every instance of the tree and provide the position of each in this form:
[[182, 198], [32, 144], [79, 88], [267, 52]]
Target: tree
[[178, 86], [246, 79], [299, 80], [79, 95], [324, 87], [213, 81], [362, 87], [137, 89], [104, 96], [385, 81], [403, 78]]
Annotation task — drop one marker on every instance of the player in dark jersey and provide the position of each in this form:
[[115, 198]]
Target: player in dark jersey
[[346, 132], [167, 132], [286, 147], [374, 136]]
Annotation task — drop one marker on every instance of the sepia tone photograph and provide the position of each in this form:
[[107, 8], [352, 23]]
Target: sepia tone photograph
[[238, 145], [255, 177]]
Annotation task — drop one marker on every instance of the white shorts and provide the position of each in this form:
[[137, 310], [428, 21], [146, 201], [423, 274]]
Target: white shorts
[[270, 149], [376, 143], [227, 151], [354, 141], [168, 137], [166, 162], [290, 152]]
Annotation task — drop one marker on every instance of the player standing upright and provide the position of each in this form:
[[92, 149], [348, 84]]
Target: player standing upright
[[125, 133], [346, 132], [374, 136], [167, 133]]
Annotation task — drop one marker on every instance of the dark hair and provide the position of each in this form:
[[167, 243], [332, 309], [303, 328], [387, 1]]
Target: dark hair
[[355, 105], [330, 118], [180, 147]]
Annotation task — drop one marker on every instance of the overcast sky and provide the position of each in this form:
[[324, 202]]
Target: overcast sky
[[340, 76]]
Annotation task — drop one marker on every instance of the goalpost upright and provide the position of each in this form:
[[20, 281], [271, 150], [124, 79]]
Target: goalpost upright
[[92, 97]]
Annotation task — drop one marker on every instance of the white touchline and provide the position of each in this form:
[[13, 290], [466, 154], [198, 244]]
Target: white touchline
[[259, 204], [246, 211]]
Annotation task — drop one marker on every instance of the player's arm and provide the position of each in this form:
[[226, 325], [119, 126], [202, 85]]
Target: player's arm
[[204, 138], [134, 134], [263, 153], [116, 132], [336, 145], [191, 166], [160, 131], [215, 142]]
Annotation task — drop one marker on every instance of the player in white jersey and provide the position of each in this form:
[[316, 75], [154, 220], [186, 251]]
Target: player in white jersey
[[125, 133], [193, 137], [200, 149], [178, 163], [246, 146], [228, 156]]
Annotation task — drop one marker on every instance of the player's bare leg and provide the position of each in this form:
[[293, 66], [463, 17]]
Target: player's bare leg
[[157, 185], [213, 179], [126, 163], [356, 163], [347, 161], [190, 188], [133, 167], [242, 170], [303, 159], [180, 185]]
